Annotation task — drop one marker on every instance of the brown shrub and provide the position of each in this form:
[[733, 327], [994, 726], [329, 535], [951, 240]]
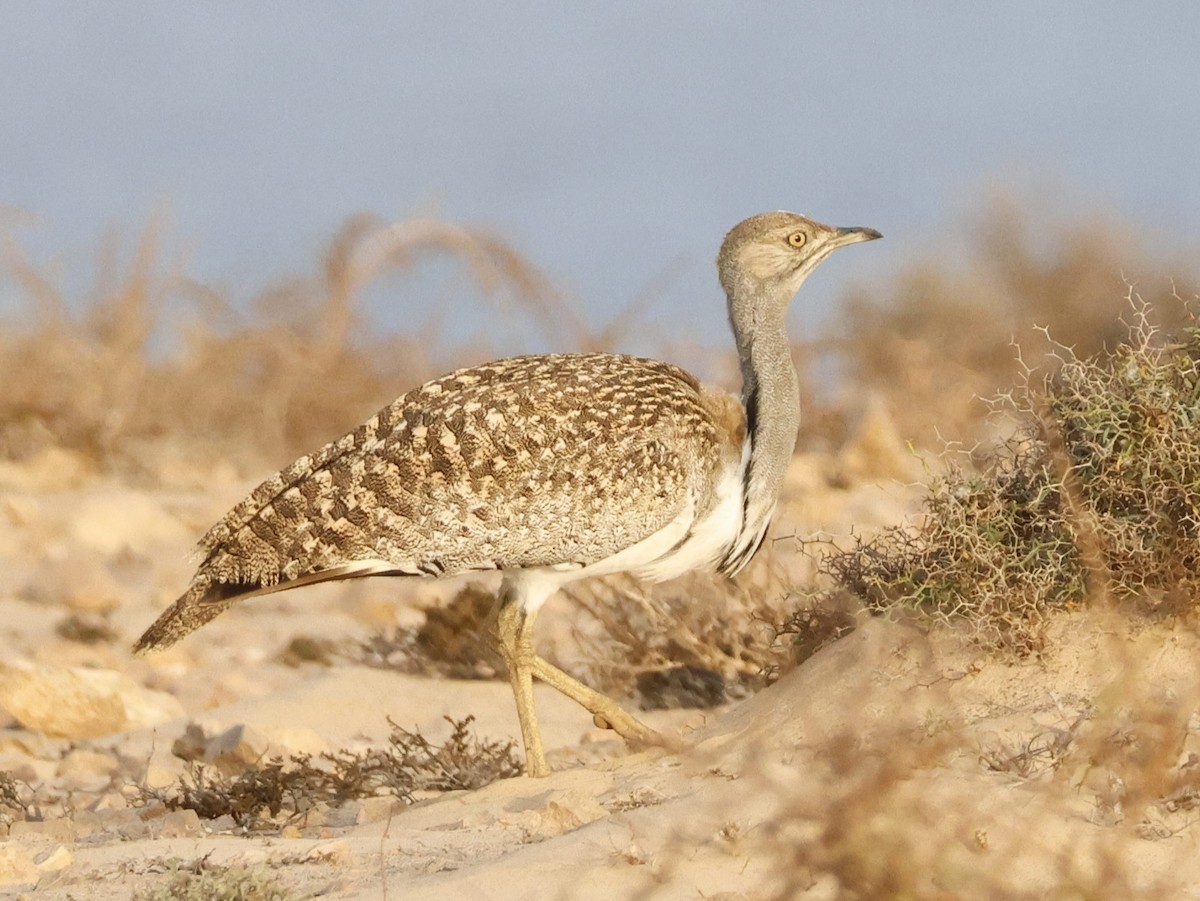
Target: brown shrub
[[110, 375], [940, 337], [1096, 497], [264, 794]]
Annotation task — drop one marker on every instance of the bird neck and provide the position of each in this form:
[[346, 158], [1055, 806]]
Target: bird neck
[[771, 395]]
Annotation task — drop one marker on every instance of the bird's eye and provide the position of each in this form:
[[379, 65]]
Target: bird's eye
[[797, 239]]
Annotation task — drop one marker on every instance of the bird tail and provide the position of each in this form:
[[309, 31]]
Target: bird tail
[[202, 602], [206, 598]]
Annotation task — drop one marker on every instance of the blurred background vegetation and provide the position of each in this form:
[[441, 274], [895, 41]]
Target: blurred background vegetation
[[149, 358]]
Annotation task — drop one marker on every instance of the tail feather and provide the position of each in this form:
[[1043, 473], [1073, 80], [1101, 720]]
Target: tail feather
[[208, 598], [202, 602]]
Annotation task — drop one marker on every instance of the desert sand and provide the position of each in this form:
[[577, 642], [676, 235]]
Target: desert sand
[[900, 761]]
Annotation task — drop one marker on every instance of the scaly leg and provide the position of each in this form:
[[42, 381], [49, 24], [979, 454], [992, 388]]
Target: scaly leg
[[512, 632], [606, 713]]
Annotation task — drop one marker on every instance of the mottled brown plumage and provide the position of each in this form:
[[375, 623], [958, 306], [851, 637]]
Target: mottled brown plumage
[[556, 460], [549, 468]]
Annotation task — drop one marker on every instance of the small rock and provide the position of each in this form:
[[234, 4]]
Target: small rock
[[128, 824], [317, 815], [159, 776], [223, 823], [86, 770], [86, 628], [336, 852], [308, 649], [112, 817], [180, 824], [231, 750], [373, 810], [53, 861], [73, 702]]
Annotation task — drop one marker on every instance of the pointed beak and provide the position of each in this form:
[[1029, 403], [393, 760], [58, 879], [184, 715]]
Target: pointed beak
[[846, 236]]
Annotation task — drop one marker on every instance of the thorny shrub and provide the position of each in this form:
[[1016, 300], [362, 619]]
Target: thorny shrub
[[1096, 495], [695, 642], [936, 338], [265, 793], [111, 375], [203, 880]]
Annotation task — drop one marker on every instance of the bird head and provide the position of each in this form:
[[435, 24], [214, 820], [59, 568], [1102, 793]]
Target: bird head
[[771, 254]]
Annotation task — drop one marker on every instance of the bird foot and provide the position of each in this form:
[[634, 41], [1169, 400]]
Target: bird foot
[[641, 736]]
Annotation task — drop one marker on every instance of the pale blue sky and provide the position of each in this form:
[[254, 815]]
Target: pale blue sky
[[604, 140]]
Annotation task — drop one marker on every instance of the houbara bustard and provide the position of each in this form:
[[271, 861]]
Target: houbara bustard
[[548, 468]]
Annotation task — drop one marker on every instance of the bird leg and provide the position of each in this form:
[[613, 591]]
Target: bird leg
[[513, 631], [606, 713]]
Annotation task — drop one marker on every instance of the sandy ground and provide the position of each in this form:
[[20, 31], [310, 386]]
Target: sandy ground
[[898, 762]]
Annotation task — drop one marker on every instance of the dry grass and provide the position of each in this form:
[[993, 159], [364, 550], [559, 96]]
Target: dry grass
[[1097, 496], [202, 880], [273, 793], [938, 337], [125, 369], [694, 642]]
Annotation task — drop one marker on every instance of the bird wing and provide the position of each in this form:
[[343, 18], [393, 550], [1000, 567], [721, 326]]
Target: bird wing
[[557, 460]]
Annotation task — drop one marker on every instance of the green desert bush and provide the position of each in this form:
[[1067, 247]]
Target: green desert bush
[[1096, 496]]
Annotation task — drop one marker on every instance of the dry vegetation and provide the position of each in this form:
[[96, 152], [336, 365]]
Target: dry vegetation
[[267, 795], [124, 371], [941, 335], [1095, 498], [1090, 499], [150, 355], [200, 880], [273, 793], [1008, 533]]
